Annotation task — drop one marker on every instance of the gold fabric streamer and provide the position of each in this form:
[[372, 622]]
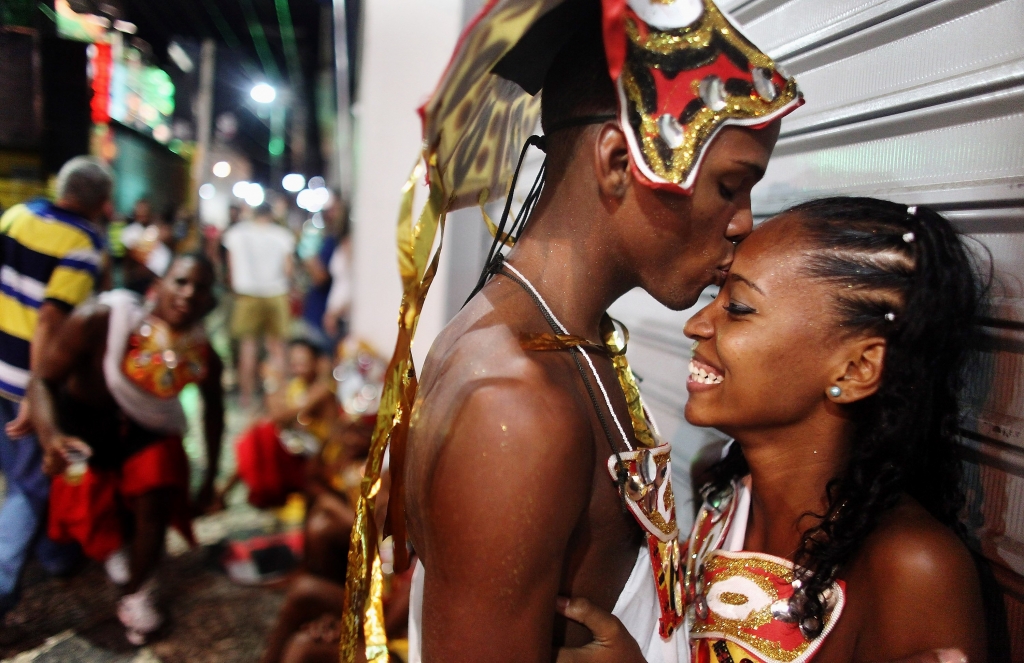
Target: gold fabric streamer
[[364, 581], [556, 342], [616, 337]]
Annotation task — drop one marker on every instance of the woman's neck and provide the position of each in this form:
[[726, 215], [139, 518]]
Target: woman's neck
[[790, 470]]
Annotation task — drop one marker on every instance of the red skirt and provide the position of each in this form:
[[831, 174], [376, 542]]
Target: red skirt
[[89, 509], [267, 468]]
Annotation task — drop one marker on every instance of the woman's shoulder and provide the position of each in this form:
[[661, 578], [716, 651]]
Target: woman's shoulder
[[910, 548], [914, 587]]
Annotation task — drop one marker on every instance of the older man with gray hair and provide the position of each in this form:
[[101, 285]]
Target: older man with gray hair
[[50, 255]]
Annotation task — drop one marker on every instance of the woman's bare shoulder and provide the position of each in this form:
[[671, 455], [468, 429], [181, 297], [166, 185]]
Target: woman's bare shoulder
[[915, 587]]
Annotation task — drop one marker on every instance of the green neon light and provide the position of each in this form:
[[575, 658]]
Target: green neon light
[[50, 14], [259, 40], [291, 49], [229, 36]]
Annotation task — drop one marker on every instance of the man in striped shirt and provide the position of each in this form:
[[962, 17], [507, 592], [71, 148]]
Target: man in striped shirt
[[49, 260]]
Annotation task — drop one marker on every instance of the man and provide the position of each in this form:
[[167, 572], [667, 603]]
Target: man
[[109, 391], [510, 498], [49, 261], [259, 255]]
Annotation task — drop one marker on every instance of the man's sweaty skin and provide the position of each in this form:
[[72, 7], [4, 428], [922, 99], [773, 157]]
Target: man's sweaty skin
[[509, 499]]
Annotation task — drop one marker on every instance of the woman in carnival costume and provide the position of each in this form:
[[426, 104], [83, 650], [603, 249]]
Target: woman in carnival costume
[[834, 354]]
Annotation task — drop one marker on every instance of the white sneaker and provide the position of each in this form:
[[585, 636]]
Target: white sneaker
[[139, 615], [117, 567]]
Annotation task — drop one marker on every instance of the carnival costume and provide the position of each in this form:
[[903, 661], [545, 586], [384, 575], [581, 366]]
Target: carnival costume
[[137, 445], [741, 603], [682, 72]]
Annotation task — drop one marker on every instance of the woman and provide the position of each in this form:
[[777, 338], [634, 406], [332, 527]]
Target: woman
[[833, 355]]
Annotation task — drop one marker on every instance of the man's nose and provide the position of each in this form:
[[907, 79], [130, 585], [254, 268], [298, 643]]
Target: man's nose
[[741, 225]]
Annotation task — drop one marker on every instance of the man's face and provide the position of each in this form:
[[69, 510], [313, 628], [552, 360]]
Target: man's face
[[142, 212], [185, 294], [681, 244], [302, 362]]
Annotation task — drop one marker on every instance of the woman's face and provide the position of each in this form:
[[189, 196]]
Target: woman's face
[[767, 349]]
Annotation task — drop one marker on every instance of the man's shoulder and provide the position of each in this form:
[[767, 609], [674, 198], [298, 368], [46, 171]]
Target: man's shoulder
[[45, 228], [480, 368]]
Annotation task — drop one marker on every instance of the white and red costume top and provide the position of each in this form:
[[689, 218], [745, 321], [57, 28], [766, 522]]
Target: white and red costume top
[[738, 602]]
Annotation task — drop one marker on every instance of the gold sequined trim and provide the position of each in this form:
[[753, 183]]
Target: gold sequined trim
[[732, 598]]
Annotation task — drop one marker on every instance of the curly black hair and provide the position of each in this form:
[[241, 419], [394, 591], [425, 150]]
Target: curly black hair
[[906, 275]]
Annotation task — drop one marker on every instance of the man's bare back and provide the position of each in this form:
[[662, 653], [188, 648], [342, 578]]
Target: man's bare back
[[510, 500]]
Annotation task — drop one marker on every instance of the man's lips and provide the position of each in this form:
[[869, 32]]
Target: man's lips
[[721, 273]]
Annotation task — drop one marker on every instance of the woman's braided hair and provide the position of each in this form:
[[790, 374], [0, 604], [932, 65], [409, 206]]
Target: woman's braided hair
[[906, 275]]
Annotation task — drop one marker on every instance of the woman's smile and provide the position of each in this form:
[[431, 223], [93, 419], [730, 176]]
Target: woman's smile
[[703, 376]]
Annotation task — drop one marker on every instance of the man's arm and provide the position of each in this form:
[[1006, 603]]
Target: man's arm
[[212, 392], [53, 364], [51, 319], [506, 493]]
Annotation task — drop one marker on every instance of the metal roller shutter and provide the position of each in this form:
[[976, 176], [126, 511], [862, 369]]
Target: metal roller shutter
[[922, 103]]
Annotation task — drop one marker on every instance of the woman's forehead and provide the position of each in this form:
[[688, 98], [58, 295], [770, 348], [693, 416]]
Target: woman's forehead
[[778, 240]]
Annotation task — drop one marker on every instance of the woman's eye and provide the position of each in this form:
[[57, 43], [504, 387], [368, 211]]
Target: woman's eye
[[726, 192], [734, 308]]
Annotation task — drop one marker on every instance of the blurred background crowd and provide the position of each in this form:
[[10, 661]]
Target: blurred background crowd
[[177, 176]]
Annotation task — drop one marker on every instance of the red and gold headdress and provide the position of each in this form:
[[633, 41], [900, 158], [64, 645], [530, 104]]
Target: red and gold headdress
[[683, 73]]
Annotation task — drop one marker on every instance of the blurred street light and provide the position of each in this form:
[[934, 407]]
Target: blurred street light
[[222, 169], [313, 200], [254, 195], [293, 182], [262, 93], [240, 189], [207, 191]]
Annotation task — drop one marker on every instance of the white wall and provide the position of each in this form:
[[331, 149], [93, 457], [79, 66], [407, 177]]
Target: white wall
[[406, 45]]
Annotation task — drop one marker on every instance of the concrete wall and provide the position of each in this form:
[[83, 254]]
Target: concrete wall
[[405, 47]]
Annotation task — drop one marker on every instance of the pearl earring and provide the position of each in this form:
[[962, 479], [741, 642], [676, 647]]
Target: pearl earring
[[835, 392]]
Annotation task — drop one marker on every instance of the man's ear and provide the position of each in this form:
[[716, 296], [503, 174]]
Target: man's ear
[[860, 374], [611, 161]]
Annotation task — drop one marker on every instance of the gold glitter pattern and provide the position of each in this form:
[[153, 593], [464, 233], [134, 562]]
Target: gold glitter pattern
[[733, 598]]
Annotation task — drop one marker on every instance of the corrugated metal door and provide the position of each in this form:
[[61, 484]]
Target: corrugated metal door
[[922, 103]]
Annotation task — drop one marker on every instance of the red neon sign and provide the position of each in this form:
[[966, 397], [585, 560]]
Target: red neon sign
[[102, 65]]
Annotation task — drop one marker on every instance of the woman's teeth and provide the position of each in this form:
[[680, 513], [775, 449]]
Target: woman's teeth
[[702, 375]]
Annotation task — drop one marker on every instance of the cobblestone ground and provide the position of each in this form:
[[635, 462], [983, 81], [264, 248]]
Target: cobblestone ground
[[210, 619]]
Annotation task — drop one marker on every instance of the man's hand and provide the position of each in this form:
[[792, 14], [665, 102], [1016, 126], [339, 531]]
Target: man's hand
[[62, 450], [612, 642], [21, 425]]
